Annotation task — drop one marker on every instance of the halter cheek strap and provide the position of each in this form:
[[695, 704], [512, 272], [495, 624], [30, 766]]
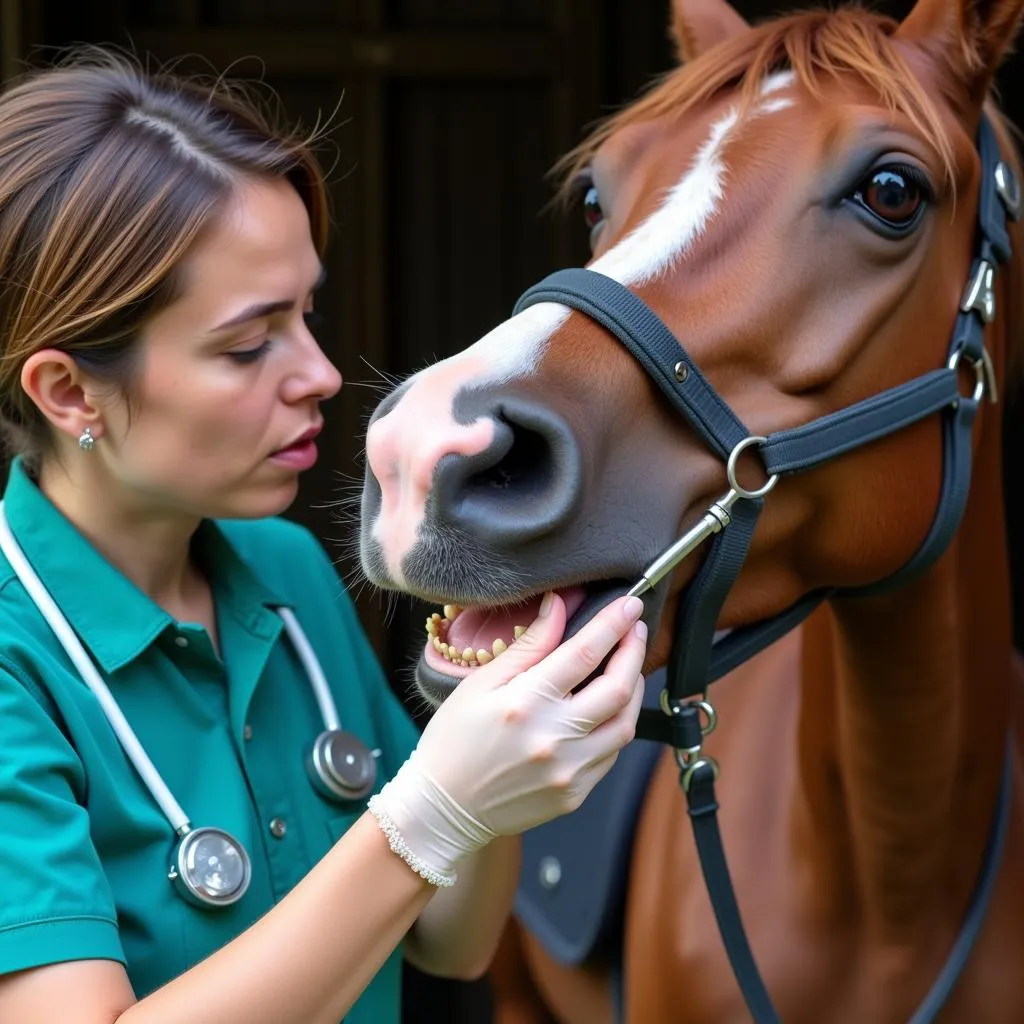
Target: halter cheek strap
[[696, 660]]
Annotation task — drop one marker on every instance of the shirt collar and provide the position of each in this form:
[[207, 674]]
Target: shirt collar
[[113, 618]]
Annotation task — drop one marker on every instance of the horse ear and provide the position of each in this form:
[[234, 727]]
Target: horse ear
[[969, 37], [698, 25]]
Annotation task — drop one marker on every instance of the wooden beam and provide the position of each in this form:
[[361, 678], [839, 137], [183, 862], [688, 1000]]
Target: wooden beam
[[372, 255], [11, 40], [371, 119], [332, 53]]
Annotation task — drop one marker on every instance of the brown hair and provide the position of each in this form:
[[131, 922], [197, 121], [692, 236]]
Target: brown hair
[[108, 173]]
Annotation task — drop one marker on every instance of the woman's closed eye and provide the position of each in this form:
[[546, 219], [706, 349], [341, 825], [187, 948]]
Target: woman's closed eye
[[252, 353]]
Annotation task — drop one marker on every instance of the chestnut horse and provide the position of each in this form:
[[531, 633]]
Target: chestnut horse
[[799, 204]]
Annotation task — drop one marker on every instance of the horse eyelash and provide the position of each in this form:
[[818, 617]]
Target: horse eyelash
[[581, 184], [913, 174]]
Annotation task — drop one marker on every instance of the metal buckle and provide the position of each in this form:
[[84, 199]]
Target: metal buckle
[[1008, 190], [984, 374], [673, 709], [688, 769], [690, 758], [979, 295]]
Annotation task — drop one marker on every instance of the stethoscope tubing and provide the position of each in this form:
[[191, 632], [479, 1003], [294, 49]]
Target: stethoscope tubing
[[134, 750]]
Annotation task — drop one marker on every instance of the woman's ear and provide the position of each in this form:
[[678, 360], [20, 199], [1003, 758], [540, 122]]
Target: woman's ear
[[698, 25], [56, 386]]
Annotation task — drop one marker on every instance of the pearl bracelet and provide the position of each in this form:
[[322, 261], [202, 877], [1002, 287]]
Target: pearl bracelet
[[441, 879]]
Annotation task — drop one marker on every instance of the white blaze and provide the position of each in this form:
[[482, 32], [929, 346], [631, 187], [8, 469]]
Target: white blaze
[[514, 348], [655, 245]]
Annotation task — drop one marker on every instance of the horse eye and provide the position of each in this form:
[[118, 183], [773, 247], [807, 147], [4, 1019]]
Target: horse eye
[[593, 215], [893, 195]]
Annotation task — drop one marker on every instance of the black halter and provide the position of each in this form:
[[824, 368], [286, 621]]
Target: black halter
[[696, 659]]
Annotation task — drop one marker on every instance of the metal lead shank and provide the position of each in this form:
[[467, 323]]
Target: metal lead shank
[[714, 521]]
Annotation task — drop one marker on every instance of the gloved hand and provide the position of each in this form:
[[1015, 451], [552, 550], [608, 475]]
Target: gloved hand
[[513, 747]]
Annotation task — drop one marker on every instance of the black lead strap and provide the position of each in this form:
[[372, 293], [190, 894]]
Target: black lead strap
[[696, 659]]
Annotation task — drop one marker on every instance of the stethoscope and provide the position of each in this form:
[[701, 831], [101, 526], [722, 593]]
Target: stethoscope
[[209, 867]]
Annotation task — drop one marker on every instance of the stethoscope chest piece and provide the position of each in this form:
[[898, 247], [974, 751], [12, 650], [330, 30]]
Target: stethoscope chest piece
[[340, 766], [210, 868]]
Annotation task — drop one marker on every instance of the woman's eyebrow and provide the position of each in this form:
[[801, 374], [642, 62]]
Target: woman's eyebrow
[[259, 310]]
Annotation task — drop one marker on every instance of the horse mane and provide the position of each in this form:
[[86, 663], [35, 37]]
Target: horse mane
[[814, 45]]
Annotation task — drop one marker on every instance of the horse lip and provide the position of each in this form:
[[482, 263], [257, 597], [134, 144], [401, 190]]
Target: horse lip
[[438, 686], [434, 685], [592, 604]]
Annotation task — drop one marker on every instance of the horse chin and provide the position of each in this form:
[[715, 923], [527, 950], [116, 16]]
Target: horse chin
[[437, 679]]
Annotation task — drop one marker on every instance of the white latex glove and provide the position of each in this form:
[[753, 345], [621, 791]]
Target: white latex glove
[[513, 747]]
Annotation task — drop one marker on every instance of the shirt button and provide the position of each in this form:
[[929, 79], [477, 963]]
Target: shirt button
[[181, 641], [247, 731], [278, 828]]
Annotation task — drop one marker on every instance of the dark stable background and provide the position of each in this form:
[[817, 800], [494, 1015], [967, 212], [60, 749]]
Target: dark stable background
[[451, 112]]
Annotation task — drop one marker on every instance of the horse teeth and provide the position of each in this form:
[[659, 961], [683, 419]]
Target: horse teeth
[[445, 649], [435, 617], [499, 647], [469, 654], [451, 612], [519, 631], [483, 656], [431, 627], [437, 643]]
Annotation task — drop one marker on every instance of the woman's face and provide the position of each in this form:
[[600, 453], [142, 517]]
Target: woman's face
[[229, 382]]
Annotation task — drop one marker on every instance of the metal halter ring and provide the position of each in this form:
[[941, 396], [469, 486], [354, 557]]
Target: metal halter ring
[[730, 469], [709, 712], [984, 374], [688, 769]]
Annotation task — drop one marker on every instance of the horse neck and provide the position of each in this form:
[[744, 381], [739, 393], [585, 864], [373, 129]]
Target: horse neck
[[905, 707]]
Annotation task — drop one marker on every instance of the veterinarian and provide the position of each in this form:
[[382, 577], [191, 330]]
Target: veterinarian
[[212, 809]]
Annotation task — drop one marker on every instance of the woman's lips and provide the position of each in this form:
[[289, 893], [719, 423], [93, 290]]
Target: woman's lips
[[302, 452], [301, 455]]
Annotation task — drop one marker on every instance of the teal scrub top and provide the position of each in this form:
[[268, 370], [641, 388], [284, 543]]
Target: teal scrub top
[[84, 848]]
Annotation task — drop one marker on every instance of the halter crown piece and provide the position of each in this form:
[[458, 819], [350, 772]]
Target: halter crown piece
[[697, 660]]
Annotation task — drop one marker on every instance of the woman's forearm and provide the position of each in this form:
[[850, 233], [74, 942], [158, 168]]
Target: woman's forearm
[[458, 931], [309, 958]]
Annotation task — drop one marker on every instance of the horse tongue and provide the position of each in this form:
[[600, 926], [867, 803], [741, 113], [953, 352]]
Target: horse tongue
[[479, 627]]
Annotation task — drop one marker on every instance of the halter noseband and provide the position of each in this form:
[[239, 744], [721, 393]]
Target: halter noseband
[[696, 659]]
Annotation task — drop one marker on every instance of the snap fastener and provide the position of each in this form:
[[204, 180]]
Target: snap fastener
[[181, 641], [247, 731], [278, 828]]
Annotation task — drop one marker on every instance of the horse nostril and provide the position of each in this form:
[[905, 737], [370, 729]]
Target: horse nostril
[[524, 467], [525, 484]]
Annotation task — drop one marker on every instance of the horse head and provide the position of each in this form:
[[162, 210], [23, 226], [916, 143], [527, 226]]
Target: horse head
[[797, 203]]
